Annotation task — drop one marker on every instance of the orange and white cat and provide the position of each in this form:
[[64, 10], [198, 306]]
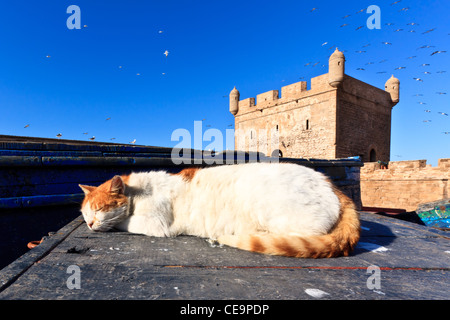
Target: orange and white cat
[[280, 209]]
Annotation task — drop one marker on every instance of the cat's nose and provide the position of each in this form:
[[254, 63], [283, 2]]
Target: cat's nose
[[90, 224]]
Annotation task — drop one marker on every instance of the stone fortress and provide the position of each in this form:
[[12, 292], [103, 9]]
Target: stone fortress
[[339, 117]]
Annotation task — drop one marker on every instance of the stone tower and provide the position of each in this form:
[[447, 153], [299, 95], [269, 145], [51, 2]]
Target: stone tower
[[234, 101], [336, 68], [393, 87], [338, 117]]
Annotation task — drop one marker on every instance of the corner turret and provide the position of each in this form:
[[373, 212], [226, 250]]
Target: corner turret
[[393, 87], [234, 101], [336, 68]]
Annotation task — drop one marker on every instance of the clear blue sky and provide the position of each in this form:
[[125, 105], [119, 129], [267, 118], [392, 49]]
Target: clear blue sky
[[91, 74]]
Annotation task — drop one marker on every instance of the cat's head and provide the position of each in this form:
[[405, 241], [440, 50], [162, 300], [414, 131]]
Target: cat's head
[[106, 205]]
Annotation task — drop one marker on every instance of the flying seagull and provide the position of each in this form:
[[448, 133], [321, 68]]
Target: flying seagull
[[436, 52], [425, 47], [428, 31], [166, 53]]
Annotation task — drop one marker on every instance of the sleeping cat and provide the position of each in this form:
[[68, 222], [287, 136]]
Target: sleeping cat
[[279, 209]]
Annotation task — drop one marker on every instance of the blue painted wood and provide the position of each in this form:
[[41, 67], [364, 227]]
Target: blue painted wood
[[23, 161], [40, 200], [51, 153]]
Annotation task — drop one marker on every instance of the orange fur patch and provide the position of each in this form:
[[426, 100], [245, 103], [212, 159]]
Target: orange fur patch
[[256, 245], [188, 173]]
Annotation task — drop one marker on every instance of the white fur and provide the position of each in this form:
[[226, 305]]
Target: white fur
[[226, 200]]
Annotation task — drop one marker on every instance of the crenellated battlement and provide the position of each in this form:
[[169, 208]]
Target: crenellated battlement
[[331, 81], [289, 93], [408, 165], [404, 184]]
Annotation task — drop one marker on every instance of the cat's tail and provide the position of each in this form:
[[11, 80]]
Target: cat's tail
[[340, 241]]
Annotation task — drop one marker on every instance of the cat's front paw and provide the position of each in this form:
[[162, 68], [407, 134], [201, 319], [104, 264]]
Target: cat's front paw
[[213, 243]]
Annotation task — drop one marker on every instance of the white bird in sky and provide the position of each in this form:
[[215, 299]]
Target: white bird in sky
[[166, 53], [133, 142]]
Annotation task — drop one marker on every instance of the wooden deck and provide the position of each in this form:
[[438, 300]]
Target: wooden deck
[[394, 260]]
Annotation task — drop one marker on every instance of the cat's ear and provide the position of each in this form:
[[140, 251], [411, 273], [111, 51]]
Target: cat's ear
[[86, 189], [117, 185]]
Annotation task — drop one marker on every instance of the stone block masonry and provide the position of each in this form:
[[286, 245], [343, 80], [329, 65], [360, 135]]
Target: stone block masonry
[[405, 184]]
